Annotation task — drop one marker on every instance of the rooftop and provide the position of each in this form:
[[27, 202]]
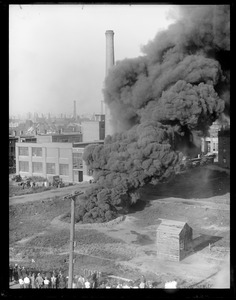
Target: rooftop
[[80, 144], [60, 134], [171, 226]]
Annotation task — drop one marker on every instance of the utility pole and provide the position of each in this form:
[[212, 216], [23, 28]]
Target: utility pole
[[72, 233]]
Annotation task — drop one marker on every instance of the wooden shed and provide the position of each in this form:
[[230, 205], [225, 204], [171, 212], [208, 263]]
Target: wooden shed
[[174, 239]]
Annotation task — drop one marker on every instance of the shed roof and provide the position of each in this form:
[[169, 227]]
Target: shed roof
[[171, 226]]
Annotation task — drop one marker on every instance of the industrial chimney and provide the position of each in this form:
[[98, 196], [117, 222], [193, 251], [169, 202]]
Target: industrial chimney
[[110, 60], [109, 127], [74, 113]]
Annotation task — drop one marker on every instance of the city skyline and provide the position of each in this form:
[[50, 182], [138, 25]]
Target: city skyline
[[31, 115], [57, 52]]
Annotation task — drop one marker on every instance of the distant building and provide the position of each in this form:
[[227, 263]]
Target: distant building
[[174, 239], [50, 159], [74, 137], [28, 123], [13, 124], [12, 152], [94, 130], [210, 143], [72, 127], [13, 139], [224, 148], [17, 131], [27, 139]]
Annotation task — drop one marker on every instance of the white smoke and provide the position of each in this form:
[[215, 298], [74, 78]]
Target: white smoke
[[222, 278]]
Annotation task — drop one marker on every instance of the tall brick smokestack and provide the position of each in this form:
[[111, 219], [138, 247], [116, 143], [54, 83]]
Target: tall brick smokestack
[[110, 59]]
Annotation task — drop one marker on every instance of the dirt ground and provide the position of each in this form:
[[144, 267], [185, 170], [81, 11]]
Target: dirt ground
[[126, 247]]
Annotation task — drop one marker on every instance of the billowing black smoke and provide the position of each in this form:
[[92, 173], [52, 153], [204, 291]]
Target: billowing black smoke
[[160, 102]]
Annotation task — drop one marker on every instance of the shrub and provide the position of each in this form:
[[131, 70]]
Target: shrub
[[89, 205], [80, 210], [109, 215], [95, 212], [87, 218]]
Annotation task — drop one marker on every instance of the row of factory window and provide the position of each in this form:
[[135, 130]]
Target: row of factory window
[[37, 151], [37, 167], [24, 151]]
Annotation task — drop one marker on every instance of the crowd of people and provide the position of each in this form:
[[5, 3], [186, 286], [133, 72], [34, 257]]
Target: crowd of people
[[57, 280], [36, 280]]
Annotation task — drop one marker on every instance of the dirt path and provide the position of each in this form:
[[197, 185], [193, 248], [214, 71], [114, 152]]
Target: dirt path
[[203, 203], [47, 194]]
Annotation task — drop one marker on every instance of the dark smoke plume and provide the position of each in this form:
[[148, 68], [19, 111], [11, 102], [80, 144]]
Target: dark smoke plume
[[160, 102]]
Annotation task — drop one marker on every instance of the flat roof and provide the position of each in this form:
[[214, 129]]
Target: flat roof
[[60, 134], [27, 136], [48, 145], [13, 137], [58, 144], [77, 144]]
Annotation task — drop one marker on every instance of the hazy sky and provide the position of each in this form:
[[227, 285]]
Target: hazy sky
[[57, 52]]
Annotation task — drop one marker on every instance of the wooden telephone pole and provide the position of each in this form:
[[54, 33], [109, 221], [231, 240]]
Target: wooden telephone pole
[[72, 233]]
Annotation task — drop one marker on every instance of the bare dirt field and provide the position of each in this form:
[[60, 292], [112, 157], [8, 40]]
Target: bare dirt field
[[126, 247]]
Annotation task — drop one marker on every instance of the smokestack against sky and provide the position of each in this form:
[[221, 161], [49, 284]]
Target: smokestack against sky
[[192, 50], [162, 101], [110, 60], [74, 112]]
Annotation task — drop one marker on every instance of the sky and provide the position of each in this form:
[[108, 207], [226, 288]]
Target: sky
[[57, 52]]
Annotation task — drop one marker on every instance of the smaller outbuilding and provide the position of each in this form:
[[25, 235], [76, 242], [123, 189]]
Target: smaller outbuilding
[[174, 239]]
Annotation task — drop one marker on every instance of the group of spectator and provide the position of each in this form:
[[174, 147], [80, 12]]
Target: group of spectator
[[36, 280], [57, 280]]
